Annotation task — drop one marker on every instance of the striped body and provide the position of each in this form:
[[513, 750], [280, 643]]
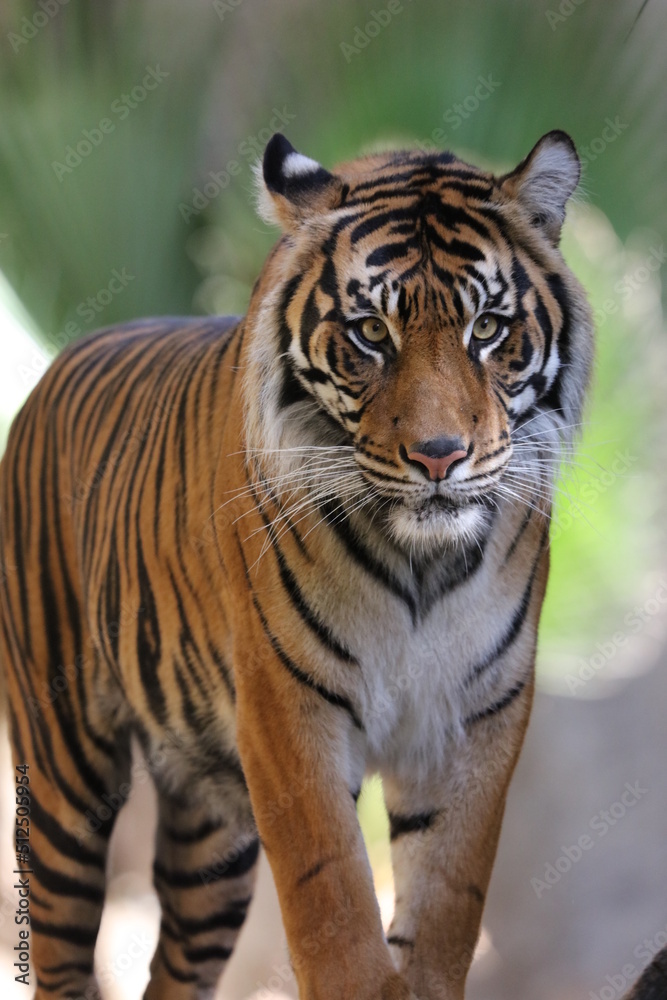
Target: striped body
[[215, 540]]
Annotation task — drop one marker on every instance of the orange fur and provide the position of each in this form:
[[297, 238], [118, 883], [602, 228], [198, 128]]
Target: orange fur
[[221, 548]]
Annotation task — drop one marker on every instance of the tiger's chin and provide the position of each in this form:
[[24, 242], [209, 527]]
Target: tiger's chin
[[437, 522]]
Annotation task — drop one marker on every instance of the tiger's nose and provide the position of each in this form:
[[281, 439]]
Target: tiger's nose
[[437, 456]]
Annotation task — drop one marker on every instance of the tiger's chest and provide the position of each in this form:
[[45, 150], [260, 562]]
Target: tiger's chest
[[419, 683], [421, 668]]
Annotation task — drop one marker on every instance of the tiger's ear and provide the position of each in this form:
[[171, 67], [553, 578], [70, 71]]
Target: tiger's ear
[[292, 186], [544, 181]]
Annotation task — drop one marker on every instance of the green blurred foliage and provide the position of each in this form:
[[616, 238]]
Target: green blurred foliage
[[608, 527], [71, 223]]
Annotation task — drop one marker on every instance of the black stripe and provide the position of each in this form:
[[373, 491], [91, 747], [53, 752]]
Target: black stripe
[[148, 641], [332, 697], [64, 842], [498, 706], [311, 619], [21, 503], [58, 985], [370, 222], [81, 937], [309, 319], [452, 217], [517, 538], [552, 399], [35, 734], [189, 649], [234, 868], [376, 457], [492, 454], [400, 942], [454, 246], [205, 829], [464, 565], [399, 825], [53, 970], [312, 872], [273, 497], [50, 530], [231, 918], [171, 970], [364, 558], [514, 628], [60, 884], [417, 166], [390, 252], [214, 951], [39, 901], [476, 893], [475, 189]]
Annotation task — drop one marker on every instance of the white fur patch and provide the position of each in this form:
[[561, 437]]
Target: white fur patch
[[552, 365], [525, 399], [414, 529], [296, 165]]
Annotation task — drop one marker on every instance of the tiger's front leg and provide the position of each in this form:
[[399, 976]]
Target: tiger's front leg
[[444, 833], [296, 740]]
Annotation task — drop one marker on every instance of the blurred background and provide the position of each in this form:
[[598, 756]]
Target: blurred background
[[128, 132]]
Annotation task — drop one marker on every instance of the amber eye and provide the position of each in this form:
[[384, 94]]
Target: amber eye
[[373, 330], [485, 326]]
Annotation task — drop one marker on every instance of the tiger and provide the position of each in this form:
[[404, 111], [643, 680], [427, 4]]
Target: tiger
[[280, 552]]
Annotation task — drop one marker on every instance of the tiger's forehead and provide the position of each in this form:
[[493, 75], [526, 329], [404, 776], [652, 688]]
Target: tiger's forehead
[[406, 168], [420, 299], [424, 235]]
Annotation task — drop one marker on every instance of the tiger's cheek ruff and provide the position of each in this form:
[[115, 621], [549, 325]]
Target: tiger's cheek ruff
[[337, 541]]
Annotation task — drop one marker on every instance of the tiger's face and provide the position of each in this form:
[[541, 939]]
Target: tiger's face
[[426, 309]]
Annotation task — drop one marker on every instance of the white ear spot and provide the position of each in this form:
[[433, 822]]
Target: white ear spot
[[294, 187], [296, 165]]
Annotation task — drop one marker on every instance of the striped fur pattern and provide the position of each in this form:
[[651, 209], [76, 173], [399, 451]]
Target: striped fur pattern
[[287, 550]]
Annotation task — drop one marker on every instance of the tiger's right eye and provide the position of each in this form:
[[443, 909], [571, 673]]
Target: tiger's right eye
[[373, 329], [485, 326]]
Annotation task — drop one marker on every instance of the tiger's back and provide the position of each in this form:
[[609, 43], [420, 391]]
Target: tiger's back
[[107, 489]]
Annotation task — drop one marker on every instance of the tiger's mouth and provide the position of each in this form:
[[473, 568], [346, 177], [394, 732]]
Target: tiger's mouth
[[439, 518], [444, 507], [441, 502]]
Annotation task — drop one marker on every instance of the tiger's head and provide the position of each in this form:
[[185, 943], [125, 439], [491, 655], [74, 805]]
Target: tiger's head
[[417, 325]]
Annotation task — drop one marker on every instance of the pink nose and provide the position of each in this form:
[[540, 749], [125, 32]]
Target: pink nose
[[437, 456]]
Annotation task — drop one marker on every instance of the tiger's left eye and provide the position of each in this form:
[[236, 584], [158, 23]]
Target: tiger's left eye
[[373, 330], [485, 326]]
